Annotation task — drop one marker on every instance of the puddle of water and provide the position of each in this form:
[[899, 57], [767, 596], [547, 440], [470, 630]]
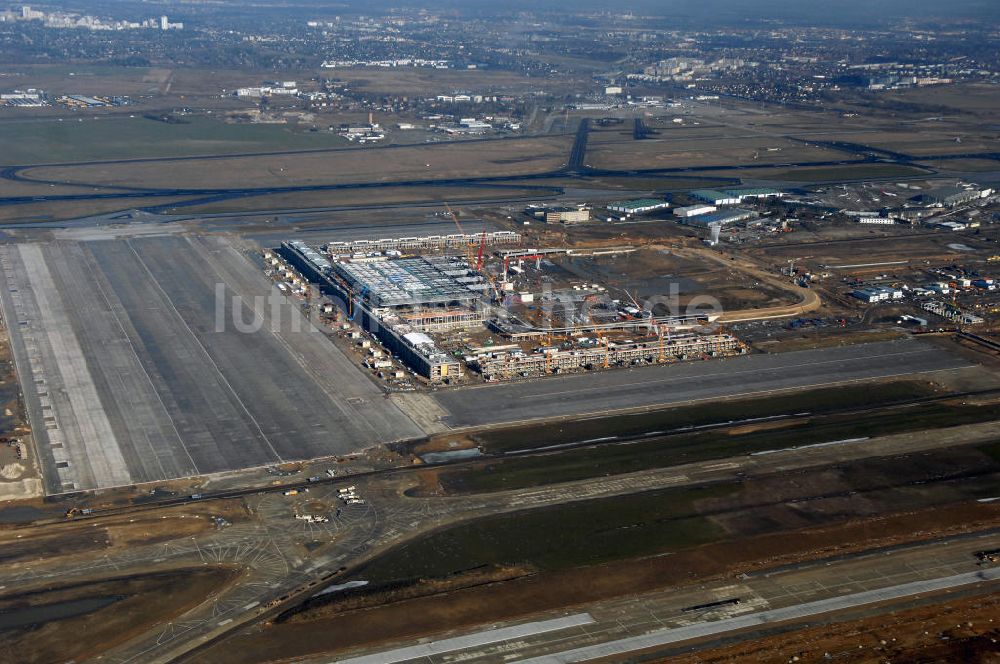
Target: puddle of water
[[453, 455]]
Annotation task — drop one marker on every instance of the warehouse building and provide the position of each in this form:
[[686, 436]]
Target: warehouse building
[[878, 294], [952, 196], [638, 206], [722, 218], [694, 210], [758, 193], [715, 197]]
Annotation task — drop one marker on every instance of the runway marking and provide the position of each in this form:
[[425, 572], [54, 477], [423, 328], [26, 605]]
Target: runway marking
[[173, 308], [703, 629], [159, 398], [475, 640]]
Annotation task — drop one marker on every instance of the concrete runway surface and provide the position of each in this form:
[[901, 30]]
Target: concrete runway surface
[[601, 391], [128, 379]]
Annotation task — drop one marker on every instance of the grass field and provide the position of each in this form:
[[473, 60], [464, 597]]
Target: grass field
[[57, 210], [597, 531], [842, 173], [94, 139], [814, 401], [369, 164], [611, 458], [584, 533], [619, 152]]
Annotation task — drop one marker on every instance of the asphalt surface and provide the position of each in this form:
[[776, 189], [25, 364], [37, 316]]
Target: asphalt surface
[[665, 622], [142, 365], [604, 391], [578, 153], [799, 611]]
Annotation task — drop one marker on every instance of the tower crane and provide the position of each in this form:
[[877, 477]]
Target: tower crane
[[603, 338], [479, 256], [454, 217]]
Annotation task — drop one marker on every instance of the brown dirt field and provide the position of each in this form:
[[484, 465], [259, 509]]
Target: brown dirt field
[[97, 536], [551, 590], [154, 529], [146, 600], [915, 247], [761, 426], [448, 160], [956, 630], [649, 271], [444, 443]]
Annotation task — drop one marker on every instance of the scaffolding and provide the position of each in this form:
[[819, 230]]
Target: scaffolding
[[453, 240], [514, 364], [438, 319]]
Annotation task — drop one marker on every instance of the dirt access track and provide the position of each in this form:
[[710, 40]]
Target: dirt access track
[[808, 300]]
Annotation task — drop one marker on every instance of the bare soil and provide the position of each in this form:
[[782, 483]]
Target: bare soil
[[318, 631], [138, 602]]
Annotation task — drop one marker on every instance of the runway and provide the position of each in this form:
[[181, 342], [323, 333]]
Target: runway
[[682, 619], [809, 609], [606, 391]]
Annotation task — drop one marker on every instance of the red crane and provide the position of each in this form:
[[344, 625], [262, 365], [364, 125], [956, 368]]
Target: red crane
[[479, 256]]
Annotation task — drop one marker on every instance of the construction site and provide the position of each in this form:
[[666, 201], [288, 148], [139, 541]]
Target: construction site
[[480, 307]]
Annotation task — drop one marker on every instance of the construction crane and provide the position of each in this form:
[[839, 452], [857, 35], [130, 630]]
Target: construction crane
[[454, 217], [603, 338], [479, 256], [661, 356]]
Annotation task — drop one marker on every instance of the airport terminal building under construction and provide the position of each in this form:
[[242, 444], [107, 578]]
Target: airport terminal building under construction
[[400, 300], [407, 300]]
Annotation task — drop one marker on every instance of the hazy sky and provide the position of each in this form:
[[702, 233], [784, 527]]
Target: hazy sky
[[819, 9], [704, 13]]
